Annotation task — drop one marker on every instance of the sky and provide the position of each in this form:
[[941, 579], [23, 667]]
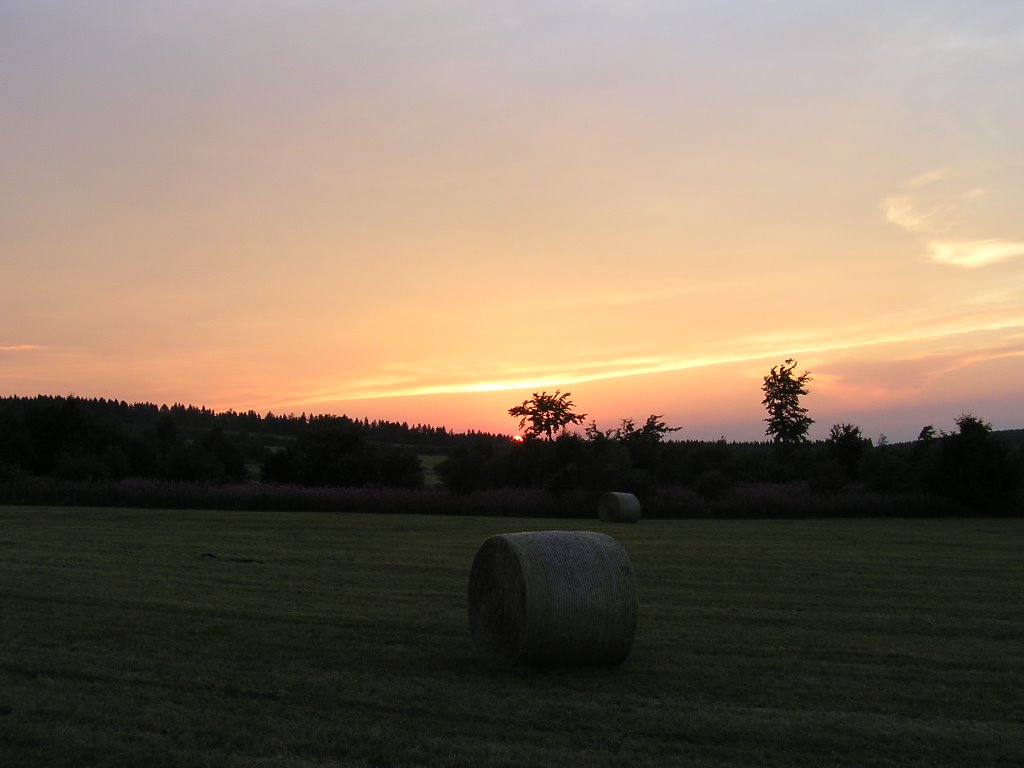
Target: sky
[[426, 210]]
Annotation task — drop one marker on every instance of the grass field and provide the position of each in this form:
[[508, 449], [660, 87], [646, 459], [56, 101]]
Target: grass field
[[260, 639]]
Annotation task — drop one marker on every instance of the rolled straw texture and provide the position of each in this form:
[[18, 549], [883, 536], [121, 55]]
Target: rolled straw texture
[[552, 598], [618, 508]]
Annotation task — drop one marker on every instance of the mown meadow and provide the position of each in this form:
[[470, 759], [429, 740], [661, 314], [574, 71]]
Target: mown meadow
[[196, 638]]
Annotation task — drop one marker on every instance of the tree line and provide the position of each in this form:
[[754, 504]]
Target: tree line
[[72, 438], [972, 466], [78, 439]]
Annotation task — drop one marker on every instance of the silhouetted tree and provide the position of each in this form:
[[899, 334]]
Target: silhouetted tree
[[400, 467], [787, 420], [847, 445], [645, 443], [228, 454], [474, 464], [974, 466], [546, 414], [333, 451], [653, 430], [277, 467]]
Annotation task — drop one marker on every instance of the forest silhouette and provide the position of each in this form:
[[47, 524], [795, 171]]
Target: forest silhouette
[[79, 441]]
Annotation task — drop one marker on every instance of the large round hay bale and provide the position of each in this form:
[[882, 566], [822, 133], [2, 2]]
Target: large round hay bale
[[618, 508], [552, 598]]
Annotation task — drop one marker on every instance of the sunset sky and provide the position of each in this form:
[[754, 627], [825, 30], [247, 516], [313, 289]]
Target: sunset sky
[[425, 210]]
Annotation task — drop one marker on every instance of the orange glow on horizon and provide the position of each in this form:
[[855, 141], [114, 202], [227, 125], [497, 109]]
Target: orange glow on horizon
[[427, 216]]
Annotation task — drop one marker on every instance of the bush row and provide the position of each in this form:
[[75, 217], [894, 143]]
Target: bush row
[[763, 500]]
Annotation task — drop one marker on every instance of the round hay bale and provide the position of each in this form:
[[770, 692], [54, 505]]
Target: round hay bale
[[618, 508], [552, 598]]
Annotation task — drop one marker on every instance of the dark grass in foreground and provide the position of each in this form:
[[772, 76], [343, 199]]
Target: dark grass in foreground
[[263, 639]]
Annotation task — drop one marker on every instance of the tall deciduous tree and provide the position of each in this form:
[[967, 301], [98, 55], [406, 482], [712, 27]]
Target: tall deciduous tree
[[546, 414], [787, 420]]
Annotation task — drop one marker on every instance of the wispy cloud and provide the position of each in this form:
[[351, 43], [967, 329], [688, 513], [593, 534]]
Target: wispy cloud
[[622, 297], [963, 216], [903, 211], [19, 347], [978, 253], [994, 297], [925, 179], [461, 381], [862, 379], [966, 361], [416, 382]]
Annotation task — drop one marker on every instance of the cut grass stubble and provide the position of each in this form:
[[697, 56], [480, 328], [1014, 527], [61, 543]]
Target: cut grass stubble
[[202, 638]]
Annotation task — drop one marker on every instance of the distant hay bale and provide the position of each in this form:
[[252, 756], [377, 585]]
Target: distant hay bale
[[618, 508], [552, 598]]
